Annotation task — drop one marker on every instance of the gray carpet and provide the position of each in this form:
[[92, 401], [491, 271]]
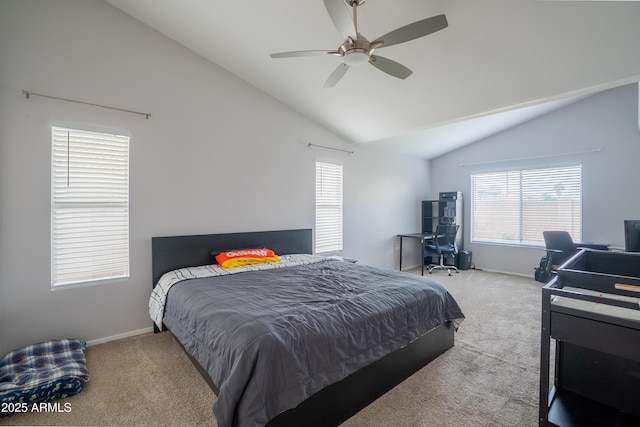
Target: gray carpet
[[489, 378]]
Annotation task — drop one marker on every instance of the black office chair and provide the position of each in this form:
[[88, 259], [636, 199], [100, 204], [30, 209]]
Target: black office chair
[[442, 245], [560, 247]]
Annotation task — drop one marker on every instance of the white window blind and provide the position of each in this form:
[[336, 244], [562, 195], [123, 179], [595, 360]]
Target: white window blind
[[328, 207], [90, 206], [517, 206]]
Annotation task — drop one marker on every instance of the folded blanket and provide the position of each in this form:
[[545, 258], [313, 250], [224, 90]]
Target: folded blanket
[[43, 371]]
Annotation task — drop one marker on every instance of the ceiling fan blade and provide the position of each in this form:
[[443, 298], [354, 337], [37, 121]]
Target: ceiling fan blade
[[341, 17], [336, 75], [390, 67], [302, 53], [413, 31]]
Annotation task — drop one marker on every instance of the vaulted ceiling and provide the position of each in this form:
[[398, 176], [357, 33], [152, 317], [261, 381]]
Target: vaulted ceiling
[[498, 63]]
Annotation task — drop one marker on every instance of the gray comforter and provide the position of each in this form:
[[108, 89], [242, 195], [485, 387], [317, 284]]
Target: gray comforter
[[270, 339]]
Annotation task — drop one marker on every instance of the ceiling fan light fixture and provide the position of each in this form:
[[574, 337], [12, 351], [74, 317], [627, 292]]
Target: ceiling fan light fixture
[[355, 57], [357, 50]]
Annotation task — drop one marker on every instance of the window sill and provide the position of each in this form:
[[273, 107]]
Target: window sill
[[510, 245], [91, 283]]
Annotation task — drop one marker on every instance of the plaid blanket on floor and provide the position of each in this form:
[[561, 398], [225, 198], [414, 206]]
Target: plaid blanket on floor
[[43, 371]]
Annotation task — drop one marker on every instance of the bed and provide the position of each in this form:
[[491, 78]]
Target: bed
[[305, 341], [591, 310]]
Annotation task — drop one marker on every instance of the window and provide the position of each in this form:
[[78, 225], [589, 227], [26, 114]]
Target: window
[[516, 206], [328, 207], [89, 206]]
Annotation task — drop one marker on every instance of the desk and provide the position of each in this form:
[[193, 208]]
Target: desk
[[421, 237]]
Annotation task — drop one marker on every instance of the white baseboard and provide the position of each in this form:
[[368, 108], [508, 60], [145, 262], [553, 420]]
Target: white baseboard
[[529, 276], [488, 270], [410, 267], [120, 336]]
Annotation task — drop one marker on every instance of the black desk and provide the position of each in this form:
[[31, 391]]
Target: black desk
[[421, 237]]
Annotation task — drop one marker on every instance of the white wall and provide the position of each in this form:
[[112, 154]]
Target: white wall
[[217, 155], [606, 121]]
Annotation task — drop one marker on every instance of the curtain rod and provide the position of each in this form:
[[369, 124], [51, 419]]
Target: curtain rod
[[330, 148], [544, 156], [28, 93]]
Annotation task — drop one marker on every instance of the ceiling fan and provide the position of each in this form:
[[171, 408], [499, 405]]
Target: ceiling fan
[[357, 50]]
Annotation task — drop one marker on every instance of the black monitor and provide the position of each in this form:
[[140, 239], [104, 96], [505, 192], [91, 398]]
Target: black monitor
[[632, 235]]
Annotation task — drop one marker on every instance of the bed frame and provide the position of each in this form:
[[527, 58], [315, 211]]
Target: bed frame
[[339, 401], [597, 353]]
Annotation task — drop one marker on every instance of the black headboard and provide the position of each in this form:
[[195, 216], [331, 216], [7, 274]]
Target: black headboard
[[170, 253]]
